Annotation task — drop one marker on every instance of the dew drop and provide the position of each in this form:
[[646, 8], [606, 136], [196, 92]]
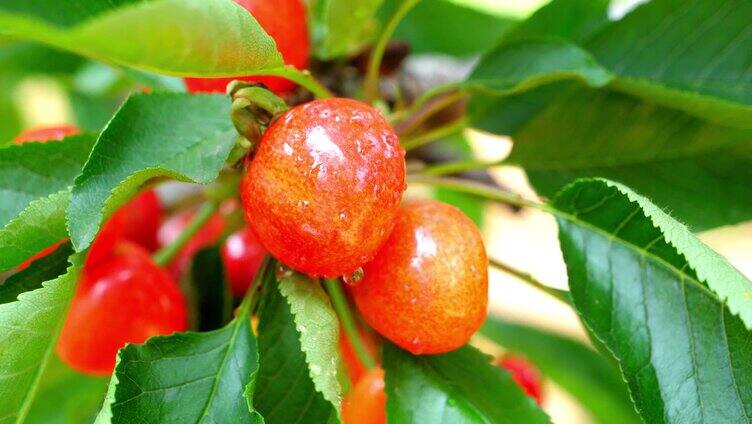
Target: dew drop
[[355, 278]]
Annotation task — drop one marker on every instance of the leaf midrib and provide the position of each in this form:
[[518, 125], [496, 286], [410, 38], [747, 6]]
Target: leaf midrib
[[238, 324]]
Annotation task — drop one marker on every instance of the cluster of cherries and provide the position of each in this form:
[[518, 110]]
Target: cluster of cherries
[[322, 194], [122, 295]]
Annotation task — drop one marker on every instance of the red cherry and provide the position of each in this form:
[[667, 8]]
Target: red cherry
[[140, 219], [103, 245], [525, 375], [207, 235], [124, 299], [242, 255], [427, 288], [366, 402], [46, 134], [324, 186], [285, 21]]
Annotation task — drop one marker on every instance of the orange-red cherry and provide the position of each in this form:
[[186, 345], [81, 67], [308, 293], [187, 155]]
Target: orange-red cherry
[[525, 375], [124, 299], [324, 186], [285, 21], [242, 255], [427, 288], [366, 402], [355, 369], [43, 134], [206, 236]]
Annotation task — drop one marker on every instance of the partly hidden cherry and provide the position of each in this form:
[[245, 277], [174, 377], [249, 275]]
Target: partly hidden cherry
[[355, 369], [525, 375], [140, 219], [323, 189], [124, 299], [285, 21], [46, 134], [427, 288], [242, 255], [366, 401], [206, 236], [137, 221]]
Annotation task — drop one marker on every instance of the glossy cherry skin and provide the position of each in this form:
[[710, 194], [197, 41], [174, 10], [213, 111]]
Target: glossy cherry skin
[[137, 221], [140, 219], [366, 401], [125, 299], [525, 375], [427, 288], [285, 21], [206, 236], [324, 186], [355, 369], [46, 134], [242, 255]]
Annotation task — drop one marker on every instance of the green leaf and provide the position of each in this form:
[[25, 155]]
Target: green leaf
[[196, 37], [31, 322], [23, 59], [285, 390], [692, 56], [576, 368], [676, 65], [432, 27], [318, 326], [460, 386], [187, 137], [66, 397], [671, 310], [35, 170], [575, 20], [186, 377], [521, 65], [39, 226], [341, 27], [669, 156], [209, 291], [10, 125]]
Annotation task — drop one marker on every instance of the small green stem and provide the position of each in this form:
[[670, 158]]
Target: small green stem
[[249, 300], [337, 295], [459, 167], [562, 295], [302, 78], [478, 189], [377, 54], [165, 255], [419, 113], [409, 143]]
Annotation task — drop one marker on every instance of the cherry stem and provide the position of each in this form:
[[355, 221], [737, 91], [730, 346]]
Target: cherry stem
[[425, 106], [377, 54], [166, 254], [459, 167], [561, 295], [410, 143], [341, 306], [301, 77], [250, 299], [478, 189]]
